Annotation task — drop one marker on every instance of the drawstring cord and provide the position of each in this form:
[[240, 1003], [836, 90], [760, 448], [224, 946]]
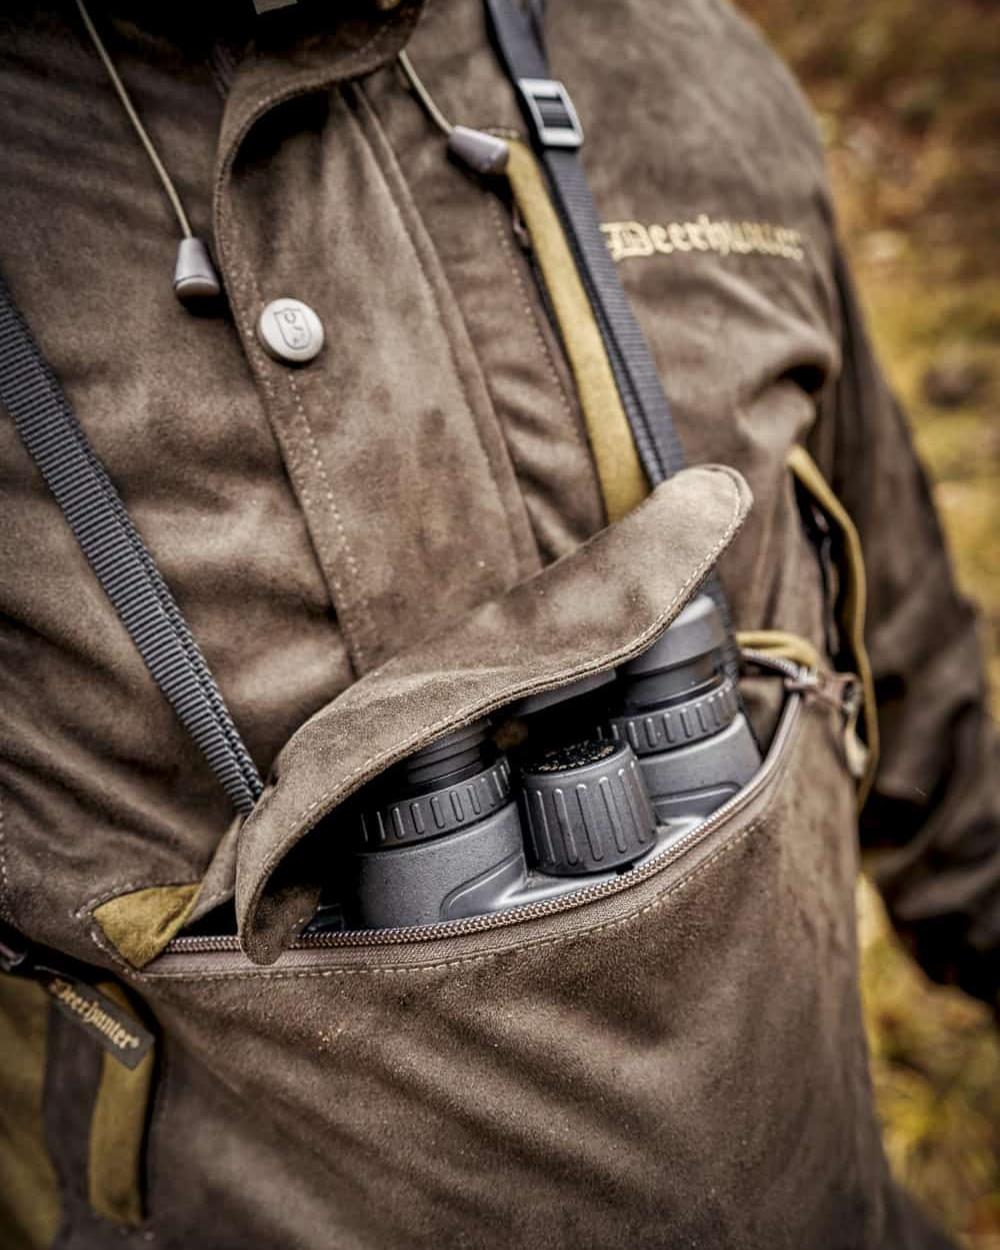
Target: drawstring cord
[[195, 277], [482, 152], [423, 95], [134, 118]]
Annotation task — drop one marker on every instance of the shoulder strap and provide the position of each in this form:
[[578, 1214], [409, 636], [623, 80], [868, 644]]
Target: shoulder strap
[[557, 136], [56, 442]]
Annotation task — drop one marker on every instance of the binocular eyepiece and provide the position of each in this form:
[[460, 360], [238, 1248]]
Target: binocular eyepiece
[[612, 769]]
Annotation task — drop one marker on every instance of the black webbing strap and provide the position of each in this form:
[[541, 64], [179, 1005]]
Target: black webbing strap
[[56, 442], [557, 136]]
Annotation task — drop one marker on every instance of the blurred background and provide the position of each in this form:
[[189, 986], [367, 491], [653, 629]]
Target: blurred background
[[908, 100]]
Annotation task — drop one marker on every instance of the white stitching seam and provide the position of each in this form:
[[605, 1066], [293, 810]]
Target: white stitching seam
[[327, 564], [118, 891], [264, 102], [352, 564], [436, 298], [500, 223]]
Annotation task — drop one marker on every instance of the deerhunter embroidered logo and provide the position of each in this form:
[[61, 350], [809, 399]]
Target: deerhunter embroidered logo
[[626, 239], [110, 1025]]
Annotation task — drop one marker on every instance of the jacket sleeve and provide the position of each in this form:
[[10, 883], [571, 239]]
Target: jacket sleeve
[[932, 820]]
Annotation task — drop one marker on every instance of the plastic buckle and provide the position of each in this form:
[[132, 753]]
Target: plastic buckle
[[552, 113]]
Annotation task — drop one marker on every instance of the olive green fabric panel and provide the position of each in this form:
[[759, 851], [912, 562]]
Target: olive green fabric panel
[[117, 1134], [623, 483], [852, 598], [116, 1141], [140, 924], [29, 1190]]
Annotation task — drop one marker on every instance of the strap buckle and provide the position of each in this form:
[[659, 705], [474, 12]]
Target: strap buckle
[[552, 113]]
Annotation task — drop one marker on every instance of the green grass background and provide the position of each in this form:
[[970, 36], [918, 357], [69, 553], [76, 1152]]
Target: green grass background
[[908, 99]]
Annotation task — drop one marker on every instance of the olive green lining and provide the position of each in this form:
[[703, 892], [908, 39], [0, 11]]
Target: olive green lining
[[622, 481], [117, 1133], [851, 602], [29, 1189], [140, 924]]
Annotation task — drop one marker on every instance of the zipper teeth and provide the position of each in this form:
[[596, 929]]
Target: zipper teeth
[[535, 911]]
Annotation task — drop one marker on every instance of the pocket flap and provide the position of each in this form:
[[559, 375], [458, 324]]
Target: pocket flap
[[598, 606]]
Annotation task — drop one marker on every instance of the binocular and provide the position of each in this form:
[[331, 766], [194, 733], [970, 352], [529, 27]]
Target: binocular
[[608, 772]]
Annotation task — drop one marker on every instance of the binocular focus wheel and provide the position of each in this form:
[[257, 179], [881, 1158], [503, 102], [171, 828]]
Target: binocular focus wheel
[[664, 729], [416, 818], [589, 819]]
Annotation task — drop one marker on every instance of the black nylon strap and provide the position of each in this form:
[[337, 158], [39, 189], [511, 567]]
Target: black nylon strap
[[518, 38], [556, 135], [642, 395], [56, 442]]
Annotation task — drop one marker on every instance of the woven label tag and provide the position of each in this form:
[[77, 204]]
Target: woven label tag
[[110, 1025]]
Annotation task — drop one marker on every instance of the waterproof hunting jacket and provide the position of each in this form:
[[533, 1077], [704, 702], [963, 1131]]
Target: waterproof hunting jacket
[[438, 513]]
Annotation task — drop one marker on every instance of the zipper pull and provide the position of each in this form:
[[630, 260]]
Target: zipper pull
[[101, 1018], [855, 749], [842, 691]]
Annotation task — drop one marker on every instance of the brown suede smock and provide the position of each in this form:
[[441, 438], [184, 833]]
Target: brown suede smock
[[684, 1068]]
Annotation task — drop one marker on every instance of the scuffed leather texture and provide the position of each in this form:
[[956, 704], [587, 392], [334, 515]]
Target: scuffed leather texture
[[311, 523], [595, 608], [695, 1069], [681, 1064]]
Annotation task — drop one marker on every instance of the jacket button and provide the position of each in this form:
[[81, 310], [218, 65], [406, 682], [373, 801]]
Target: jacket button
[[290, 331]]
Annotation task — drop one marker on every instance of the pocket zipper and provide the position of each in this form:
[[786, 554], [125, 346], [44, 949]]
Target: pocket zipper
[[800, 682]]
